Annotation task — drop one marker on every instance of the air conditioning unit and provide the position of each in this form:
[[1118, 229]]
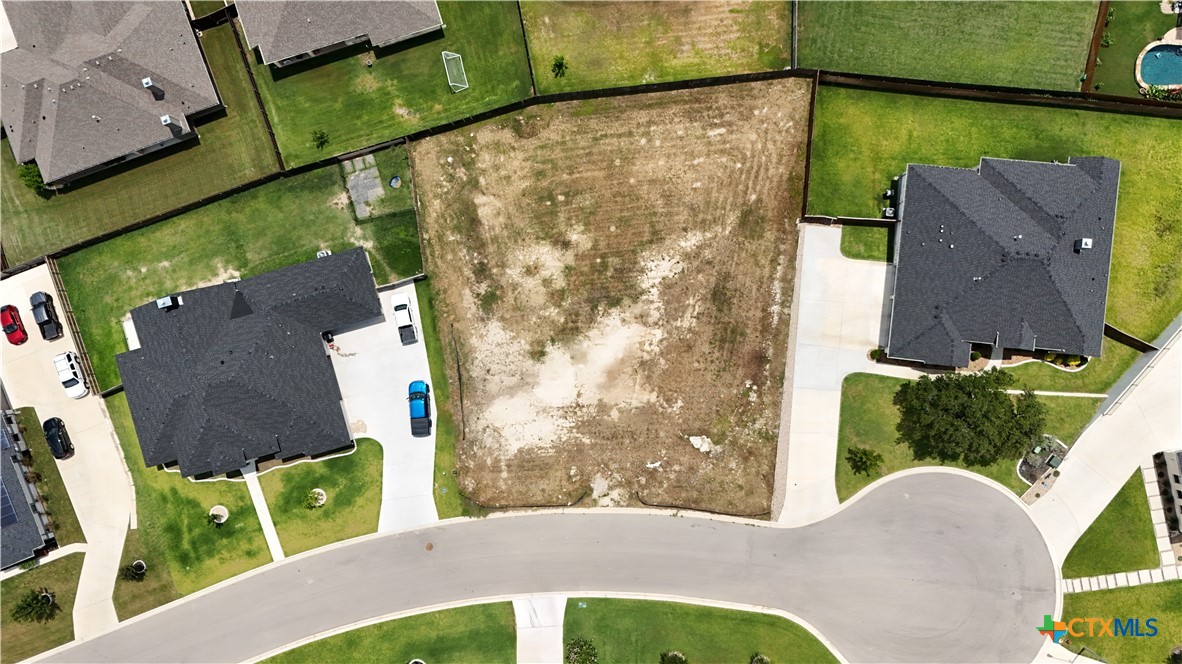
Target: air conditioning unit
[[888, 213], [322, 253]]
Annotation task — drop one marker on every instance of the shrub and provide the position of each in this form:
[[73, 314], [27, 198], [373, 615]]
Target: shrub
[[760, 658], [876, 354], [673, 657], [1097, 86], [319, 139], [974, 356], [36, 605], [1106, 40], [1108, 18], [1073, 360], [130, 573], [311, 502], [863, 460], [213, 520], [1049, 357], [1162, 94], [581, 651], [30, 175], [558, 68], [32, 477], [29, 564]]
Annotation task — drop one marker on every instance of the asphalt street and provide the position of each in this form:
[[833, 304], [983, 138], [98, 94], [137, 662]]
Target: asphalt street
[[926, 567]]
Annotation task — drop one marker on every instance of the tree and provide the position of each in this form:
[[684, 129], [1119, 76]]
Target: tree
[[30, 175], [559, 66], [36, 605], [581, 651], [319, 139], [673, 657], [968, 418], [863, 460]]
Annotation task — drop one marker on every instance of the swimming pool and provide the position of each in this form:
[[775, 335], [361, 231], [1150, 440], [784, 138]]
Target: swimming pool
[[1162, 65]]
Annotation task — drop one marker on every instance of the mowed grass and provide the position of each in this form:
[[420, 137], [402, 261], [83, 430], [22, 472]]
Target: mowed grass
[[66, 529], [484, 633], [1159, 600], [610, 44], [640, 630], [232, 149], [863, 139], [1096, 378], [866, 243], [395, 226], [172, 513], [272, 226], [20, 641], [1121, 539], [1024, 44], [353, 484], [203, 7], [869, 417], [404, 91], [155, 589], [1134, 24]]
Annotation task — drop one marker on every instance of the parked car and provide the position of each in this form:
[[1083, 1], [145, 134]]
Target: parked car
[[402, 318], [45, 316], [420, 409], [69, 372], [14, 329], [56, 437]]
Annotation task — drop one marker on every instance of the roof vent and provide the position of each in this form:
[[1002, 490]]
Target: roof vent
[[168, 303], [1083, 243], [147, 81], [166, 120]]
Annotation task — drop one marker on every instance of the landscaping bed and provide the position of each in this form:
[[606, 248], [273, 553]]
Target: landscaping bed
[[1096, 378], [1121, 539], [863, 139], [598, 292], [625, 630], [20, 641], [1022, 44], [233, 148], [65, 526], [404, 90], [610, 44], [1159, 600]]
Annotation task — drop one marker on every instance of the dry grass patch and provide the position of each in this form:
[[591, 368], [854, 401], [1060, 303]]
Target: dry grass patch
[[616, 275]]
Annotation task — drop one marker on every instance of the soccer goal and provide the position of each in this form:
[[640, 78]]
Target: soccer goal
[[454, 65]]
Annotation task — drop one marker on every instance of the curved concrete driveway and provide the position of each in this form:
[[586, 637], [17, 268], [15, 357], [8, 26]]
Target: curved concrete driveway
[[926, 567]]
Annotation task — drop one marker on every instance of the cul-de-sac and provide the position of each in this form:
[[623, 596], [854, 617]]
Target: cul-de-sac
[[560, 331]]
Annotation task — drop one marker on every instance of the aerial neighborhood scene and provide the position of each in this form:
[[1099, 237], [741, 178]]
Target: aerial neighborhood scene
[[541, 331]]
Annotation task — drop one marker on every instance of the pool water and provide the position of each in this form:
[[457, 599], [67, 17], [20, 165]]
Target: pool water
[[1162, 65]]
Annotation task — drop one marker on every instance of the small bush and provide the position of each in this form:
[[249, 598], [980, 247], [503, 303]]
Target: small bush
[[36, 605], [673, 657], [876, 354], [1106, 40], [32, 477], [320, 139], [1108, 18], [130, 573], [30, 175], [1073, 360], [863, 460], [760, 658], [974, 356], [558, 68], [29, 564], [581, 651], [1049, 357], [311, 502]]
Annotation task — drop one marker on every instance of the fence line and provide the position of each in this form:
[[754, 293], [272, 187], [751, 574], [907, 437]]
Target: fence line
[[1094, 48], [533, 81], [258, 97], [63, 300], [1120, 336], [792, 46], [808, 146]]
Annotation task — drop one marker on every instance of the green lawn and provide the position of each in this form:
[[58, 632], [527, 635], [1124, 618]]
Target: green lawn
[[406, 88], [610, 44], [394, 226], [171, 510], [203, 7], [66, 529], [640, 630], [484, 633], [866, 243], [1120, 540], [232, 149], [279, 224], [863, 139], [23, 640], [1024, 44], [1099, 375], [1134, 24], [1159, 600], [869, 416], [156, 588], [353, 484]]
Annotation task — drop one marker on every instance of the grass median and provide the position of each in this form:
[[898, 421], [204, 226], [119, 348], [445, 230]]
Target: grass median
[[1162, 601], [66, 529], [20, 641], [1121, 539]]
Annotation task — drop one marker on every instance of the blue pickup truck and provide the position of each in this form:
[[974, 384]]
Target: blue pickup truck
[[420, 409]]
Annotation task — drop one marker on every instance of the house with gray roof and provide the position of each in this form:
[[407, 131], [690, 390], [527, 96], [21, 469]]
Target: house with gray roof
[[24, 528], [93, 84], [227, 375], [1011, 254], [288, 31]]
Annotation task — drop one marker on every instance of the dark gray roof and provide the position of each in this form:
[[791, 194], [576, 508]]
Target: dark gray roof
[[239, 371], [988, 255], [77, 61], [283, 29], [20, 533]]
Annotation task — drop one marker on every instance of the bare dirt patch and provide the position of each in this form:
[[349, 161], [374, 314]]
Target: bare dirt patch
[[615, 274]]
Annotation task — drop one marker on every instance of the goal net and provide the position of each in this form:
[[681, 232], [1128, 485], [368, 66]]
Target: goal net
[[454, 65]]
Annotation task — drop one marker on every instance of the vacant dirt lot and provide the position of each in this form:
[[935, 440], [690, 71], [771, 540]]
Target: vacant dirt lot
[[616, 275]]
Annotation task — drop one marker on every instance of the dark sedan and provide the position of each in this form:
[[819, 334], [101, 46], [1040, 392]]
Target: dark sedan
[[45, 316], [56, 437]]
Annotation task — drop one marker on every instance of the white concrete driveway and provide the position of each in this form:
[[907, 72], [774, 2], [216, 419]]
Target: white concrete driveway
[[96, 477], [374, 370]]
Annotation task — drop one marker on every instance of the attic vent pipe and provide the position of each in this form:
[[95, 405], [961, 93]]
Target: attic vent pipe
[[147, 82], [166, 120]]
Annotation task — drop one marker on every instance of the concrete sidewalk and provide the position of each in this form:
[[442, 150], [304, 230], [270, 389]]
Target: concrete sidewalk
[[539, 628], [251, 476]]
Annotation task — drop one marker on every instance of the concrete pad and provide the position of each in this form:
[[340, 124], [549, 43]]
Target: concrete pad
[[539, 628], [1155, 576], [1170, 572], [1167, 558], [1157, 516], [1160, 530], [1143, 576]]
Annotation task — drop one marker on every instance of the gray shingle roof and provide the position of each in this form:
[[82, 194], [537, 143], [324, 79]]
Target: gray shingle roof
[[239, 370], [988, 255], [282, 29], [20, 534], [78, 61]]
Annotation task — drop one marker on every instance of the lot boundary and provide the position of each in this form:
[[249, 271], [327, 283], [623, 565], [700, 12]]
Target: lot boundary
[[1094, 48], [63, 299], [254, 87]]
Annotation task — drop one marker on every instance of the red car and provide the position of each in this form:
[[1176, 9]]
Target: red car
[[14, 329]]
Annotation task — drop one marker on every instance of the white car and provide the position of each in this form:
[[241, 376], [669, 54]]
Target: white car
[[402, 318], [69, 372]]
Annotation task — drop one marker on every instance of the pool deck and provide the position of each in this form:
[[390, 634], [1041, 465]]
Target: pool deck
[[1174, 36]]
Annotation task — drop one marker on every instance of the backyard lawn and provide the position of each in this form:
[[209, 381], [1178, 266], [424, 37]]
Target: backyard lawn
[[869, 416], [636, 631], [1120, 540], [233, 148], [272, 226], [156, 588], [1134, 24], [1023, 44], [1159, 600], [610, 44], [173, 530], [66, 529], [20, 641], [352, 484], [394, 225], [863, 139], [404, 91], [203, 7], [484, 633]]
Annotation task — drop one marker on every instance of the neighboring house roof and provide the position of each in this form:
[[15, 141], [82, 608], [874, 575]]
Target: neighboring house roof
[[73, 96], [20, 535], [283, 29], [989, 255], [239, 370]]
